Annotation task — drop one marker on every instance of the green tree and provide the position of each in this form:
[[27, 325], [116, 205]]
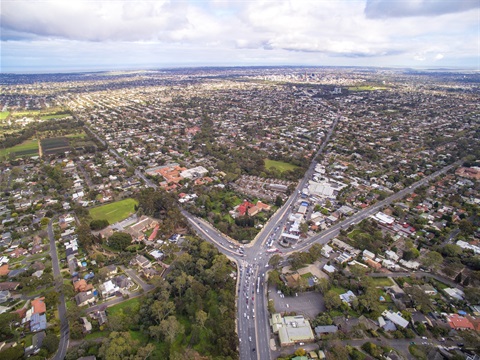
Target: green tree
[[323, 285], [278, 201], [332, 300], [50, 343], [8, 321], [432, 260], [275, 260], [98, 224], [337, 351], [315, 252], [12, 353], [120, 241], [118, 346], [451, 250], [171, 328]]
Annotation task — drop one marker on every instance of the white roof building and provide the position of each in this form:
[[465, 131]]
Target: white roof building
[[396, 318], [384, 218]]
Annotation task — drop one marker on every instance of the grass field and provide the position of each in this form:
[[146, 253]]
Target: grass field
[[133, 304], [80, 135], [59, 116], [365, 88], [114, 212], [27, 148], [25, 113], [4, 114], [279, 165], [381, 281]]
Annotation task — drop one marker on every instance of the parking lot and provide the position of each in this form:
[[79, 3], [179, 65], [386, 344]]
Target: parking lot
[[309, 304]]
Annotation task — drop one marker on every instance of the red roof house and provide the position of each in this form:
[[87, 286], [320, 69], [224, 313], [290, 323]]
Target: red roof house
[[458, 322]]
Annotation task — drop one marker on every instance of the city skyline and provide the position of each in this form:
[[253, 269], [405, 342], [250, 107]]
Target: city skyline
[[53, 36]]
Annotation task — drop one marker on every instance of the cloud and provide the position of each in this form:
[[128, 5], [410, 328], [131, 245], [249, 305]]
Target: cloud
[[293, 31], [405, 8]]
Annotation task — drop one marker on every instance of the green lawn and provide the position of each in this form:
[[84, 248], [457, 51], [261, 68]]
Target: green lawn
[[96, 335], [59, 116], [4, 114], [338, 290], [27, 148], [381, 281], [114, 212], [133, 304], [80, 135], [26, 113], [279, 165]]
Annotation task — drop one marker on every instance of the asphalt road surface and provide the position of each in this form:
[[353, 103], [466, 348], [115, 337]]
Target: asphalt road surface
[[62, 309]]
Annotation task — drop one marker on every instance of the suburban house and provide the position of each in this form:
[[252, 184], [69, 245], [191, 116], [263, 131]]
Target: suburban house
[[84, 298], [107, 289], [141, 261], [81, 286], [458, 322]]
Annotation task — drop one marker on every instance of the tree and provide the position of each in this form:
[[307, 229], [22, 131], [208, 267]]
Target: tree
[[323, 285], [52, 298], [411, 254], [332, 300], [278, 201], [50, 343], [120, 241], [98, 224], [451, 250], [171, 328], [300, 352], [118, 346], [338, 351], [7, 329], [12, 353], [275, 260], [432, 260], [315, 251]]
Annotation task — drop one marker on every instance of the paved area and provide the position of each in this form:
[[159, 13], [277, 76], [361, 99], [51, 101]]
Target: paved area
[[309, 304]]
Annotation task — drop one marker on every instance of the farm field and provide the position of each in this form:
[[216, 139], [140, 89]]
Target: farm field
[[279, 165], [55, 145], [114, 212], [28, 148]]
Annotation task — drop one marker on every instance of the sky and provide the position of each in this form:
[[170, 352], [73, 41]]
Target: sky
[[82, 35]]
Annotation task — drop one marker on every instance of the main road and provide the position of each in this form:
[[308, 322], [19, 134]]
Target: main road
[[62, 309], [252, 260]]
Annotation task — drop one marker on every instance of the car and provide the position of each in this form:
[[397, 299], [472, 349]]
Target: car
[[301, 344], [424, 337], [412, 342], [249, 338], [253, 349]]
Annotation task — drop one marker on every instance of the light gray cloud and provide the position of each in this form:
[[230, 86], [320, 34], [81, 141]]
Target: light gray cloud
[[292, 31], [404, 8]]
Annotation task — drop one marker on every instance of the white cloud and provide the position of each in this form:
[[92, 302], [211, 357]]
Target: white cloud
[[280, 29]]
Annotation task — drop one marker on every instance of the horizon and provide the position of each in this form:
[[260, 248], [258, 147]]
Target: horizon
[[126, 70]]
